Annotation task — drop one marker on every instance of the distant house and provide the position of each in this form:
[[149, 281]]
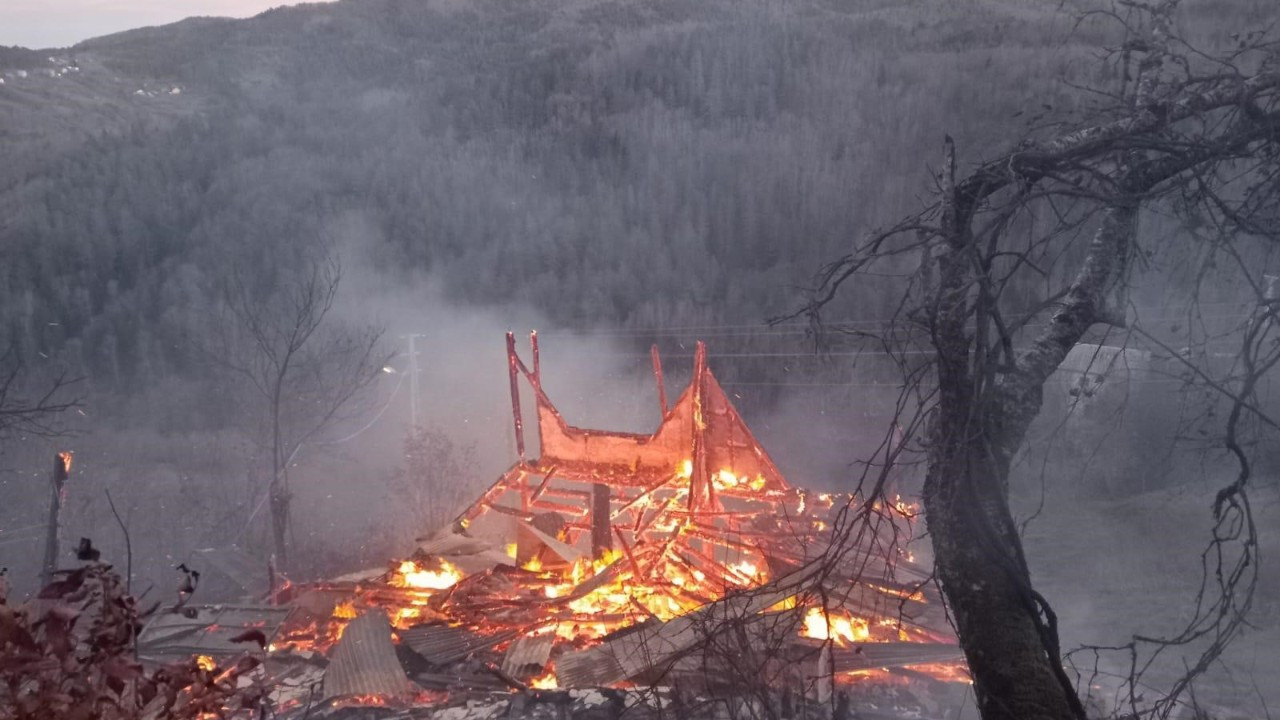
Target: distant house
[[1110, 420], [1088, 369]]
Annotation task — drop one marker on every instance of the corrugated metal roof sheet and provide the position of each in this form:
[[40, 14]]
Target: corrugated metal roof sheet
[[528, 654], [471, 555], [468, 681], [443, 644], [207, 630], [364, 662], [241, 568], [892, 654]]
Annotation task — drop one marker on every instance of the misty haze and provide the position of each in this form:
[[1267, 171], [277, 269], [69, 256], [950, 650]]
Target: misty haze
[[643, 358]]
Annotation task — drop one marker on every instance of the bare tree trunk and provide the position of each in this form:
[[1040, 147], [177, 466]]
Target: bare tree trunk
[[978, 425], [979, 564], [978, 552], [305, 376], [280, 522], [1174, 129], [279, 490]]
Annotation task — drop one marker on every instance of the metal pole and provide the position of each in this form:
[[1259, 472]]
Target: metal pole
[[413, 382]]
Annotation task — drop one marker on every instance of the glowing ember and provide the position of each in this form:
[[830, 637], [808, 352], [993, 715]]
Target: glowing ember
[[907, 509], [374, 700], [206, 663]]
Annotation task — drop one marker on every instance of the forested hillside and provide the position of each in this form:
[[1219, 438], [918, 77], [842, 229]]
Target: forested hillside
[[692, 160], [629, 164], [639, 167]]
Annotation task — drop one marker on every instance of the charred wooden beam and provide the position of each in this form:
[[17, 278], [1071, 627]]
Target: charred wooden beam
[[601, 531], [512, 361], [657, 375]]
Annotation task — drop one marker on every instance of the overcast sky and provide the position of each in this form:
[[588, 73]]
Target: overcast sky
[[58, 23]]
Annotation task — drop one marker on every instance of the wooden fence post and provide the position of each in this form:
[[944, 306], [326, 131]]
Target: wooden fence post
[[61, 471]]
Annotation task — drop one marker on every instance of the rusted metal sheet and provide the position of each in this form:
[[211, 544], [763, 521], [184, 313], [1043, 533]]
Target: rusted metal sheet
[[363, 662]]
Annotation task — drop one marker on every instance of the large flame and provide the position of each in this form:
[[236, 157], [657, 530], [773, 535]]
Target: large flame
[[680, 565], [689, 526], [838, 626], [412, 575], [545, 681]]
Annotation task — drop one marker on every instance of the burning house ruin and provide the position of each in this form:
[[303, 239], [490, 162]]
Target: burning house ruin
[[679, 559]]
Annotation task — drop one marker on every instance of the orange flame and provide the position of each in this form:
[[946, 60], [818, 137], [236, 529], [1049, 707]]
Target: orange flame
[[838, 626], [545, 681], [412, 575]]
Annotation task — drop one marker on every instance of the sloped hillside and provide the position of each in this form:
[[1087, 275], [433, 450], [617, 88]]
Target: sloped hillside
[[687, 159]]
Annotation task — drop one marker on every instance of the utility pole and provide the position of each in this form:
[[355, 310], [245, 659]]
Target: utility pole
[[61, 471], [413, 381]]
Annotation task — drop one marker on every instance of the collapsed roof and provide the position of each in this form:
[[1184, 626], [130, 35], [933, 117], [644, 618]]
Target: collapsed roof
[[620, 558]]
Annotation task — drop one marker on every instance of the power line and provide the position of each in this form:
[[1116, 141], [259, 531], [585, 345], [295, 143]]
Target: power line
[[898, 385], [376, 418], [258, 507], [797, 326]]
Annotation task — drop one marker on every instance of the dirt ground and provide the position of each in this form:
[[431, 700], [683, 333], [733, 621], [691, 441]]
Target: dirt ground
[[1116, 568]]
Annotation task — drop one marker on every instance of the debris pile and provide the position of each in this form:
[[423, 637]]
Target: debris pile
[[680, 560]]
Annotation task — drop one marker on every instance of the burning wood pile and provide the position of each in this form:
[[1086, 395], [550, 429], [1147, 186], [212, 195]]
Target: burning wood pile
[[615, 560]]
